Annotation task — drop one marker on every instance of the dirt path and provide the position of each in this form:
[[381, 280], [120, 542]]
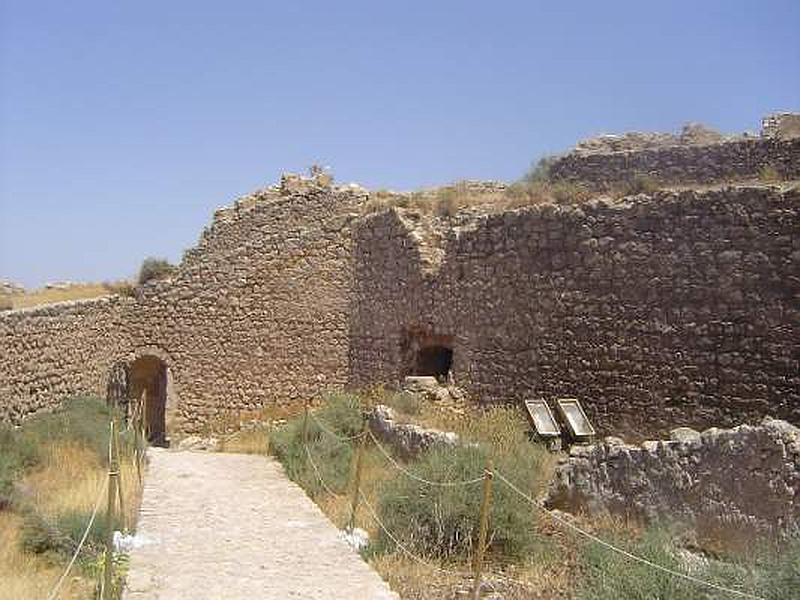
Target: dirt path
[[232, 526]]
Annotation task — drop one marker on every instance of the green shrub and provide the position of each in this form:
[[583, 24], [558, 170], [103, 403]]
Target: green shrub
[[442, 522], [155, 268], [61, 535], [607, 575], [17, 453], [341, 414], [540, 170]]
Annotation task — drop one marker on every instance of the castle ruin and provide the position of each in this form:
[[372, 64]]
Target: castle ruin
[[676, 307]]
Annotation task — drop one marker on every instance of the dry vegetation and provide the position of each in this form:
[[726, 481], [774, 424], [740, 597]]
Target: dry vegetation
[[52, 471], [535, 188], [152, 269], [537, 560], [81, 291]]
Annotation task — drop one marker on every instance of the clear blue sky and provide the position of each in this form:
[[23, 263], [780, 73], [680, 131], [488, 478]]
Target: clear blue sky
[[124, 124]]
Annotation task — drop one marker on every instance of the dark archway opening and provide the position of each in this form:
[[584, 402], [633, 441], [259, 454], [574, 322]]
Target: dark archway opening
[[147, 390], [425, 353], [434, 361]]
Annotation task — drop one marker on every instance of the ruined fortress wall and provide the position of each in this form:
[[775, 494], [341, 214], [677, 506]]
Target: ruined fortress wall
[[679, 308], [683, 164], [257, 313], [390, 298], [60, 350], [740, 482], [676, 309]]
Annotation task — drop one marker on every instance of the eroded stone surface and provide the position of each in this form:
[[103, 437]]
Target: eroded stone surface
[[747, 478], [408, 439], [233, 526]]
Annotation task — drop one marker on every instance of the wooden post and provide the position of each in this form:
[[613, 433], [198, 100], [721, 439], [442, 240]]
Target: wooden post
[[138, 428], [357, 475], [144, 413], [305, 424], [483, 530], [113, 475], [137, 453], [119, 480]]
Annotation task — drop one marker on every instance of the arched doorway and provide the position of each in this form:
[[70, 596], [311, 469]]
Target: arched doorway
[[147, 390]]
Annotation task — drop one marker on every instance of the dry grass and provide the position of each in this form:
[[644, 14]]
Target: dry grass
[[48, 296], [67, 480], [255, 441], [71, 479], [337, 507], [415, 581], [447, 201], [69, 483], [29, 576]]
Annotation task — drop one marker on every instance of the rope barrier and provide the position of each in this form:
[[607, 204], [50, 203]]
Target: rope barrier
[[621, 551], [408, 473], [319, 475], [510, 484], [378, 521], [405, 550], [341, 438], [54, 592]]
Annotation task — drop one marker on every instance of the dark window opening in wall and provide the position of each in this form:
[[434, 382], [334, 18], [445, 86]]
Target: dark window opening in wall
[[434, 361]]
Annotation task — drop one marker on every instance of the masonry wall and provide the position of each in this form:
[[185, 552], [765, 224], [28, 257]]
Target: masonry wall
[[681, 308], [726, 161], [676, 309], [257, 314], [51, 352]]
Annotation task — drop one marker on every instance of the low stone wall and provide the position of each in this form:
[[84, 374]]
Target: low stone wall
[[59, 350], [740, 159], [744, 480], [408, 439]]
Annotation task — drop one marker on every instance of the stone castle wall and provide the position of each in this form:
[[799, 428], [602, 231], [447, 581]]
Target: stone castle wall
[[680, 308], [256, 314], [60, 350], [676, 309], [732, 160]]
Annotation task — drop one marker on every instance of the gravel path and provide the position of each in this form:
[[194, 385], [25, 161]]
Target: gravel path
[[233, 526]]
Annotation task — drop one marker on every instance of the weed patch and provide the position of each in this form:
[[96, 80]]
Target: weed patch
[[59, 537], [341, 415], [441, 522], [608, 575], [405, 403], [17, 453]]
